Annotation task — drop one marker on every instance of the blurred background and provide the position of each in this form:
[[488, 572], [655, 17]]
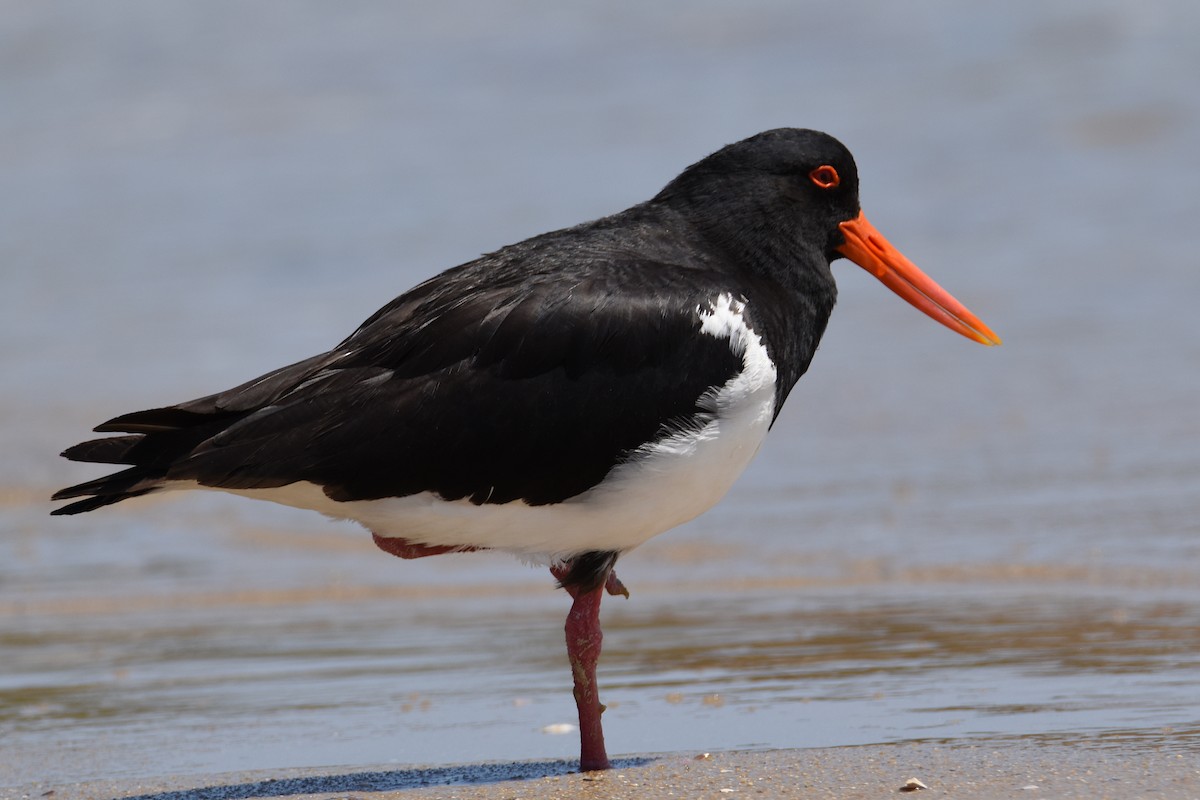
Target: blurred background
[[939, 541]]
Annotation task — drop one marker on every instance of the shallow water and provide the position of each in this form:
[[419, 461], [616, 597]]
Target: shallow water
[[938, 542]]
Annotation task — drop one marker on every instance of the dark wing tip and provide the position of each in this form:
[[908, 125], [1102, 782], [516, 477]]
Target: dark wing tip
[[154, 420], [112, 450], [108, 489], [91, 503]]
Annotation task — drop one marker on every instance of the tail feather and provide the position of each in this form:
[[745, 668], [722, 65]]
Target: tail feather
[[113, 450], [117, 483], [157, 420], [158, 438], [153, 441], [92, 503], [114, 488]]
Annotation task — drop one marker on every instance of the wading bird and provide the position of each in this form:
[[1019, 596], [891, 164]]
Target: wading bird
[[564, 398]]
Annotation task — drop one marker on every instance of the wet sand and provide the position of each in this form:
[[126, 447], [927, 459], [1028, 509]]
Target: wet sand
[[1063, 676], [1028, 770]]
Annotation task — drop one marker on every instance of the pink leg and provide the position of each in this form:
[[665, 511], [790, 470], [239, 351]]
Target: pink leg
[[406, 549], [583, 644], [583, 649]]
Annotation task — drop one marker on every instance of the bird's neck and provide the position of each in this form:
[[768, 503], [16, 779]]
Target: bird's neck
[[792, 319], [789, 286]]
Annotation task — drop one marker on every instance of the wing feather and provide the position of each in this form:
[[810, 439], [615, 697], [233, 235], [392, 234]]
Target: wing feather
[[536, 403]]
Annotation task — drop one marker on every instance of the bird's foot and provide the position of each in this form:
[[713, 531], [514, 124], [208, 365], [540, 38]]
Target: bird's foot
[[403, 548], [614, 586]]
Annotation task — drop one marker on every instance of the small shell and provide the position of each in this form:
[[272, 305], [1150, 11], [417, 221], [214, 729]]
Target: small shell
[[912, 785]]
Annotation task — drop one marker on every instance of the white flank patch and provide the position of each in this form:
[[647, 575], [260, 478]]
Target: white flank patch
[[661, 485]]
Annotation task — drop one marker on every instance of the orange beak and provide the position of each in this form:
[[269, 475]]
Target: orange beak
[[866, 247]]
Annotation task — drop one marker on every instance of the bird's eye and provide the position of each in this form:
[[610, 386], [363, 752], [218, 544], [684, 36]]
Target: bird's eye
[[824, 177]]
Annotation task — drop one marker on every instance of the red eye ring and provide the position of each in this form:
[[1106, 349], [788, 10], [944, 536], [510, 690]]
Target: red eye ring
[[824, 177]]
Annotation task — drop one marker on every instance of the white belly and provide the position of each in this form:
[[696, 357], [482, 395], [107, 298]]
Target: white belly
[[662, 484]]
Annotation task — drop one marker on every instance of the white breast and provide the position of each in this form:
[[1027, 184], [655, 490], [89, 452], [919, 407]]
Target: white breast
[[661, 485]]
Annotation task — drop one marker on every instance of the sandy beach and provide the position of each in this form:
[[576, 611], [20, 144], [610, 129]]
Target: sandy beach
[[1026, 770]]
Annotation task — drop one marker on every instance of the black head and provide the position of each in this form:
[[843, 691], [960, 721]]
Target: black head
[[780, 194], [784, 204]]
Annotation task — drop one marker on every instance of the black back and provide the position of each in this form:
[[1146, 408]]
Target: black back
[[528, 373]]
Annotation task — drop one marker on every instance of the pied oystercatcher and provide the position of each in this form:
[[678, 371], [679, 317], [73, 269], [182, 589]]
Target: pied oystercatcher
[[564, 398]]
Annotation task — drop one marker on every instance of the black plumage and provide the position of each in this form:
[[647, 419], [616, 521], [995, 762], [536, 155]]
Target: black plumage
[[526, 374], [566, 397]]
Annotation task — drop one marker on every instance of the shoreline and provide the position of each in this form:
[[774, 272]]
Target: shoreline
[[979, 770]]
